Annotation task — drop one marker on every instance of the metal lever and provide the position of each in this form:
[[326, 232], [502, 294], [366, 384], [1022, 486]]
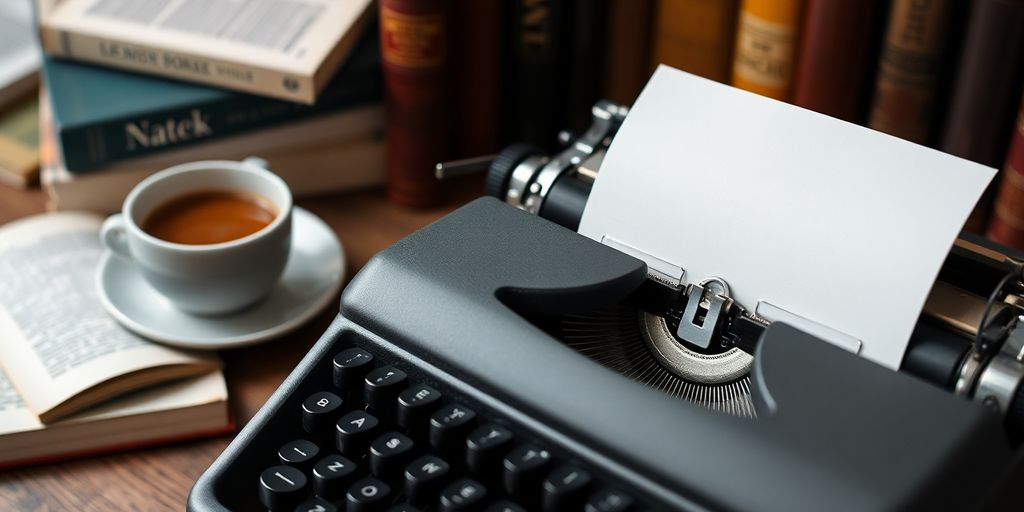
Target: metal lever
[[462, 167], [704, 310]]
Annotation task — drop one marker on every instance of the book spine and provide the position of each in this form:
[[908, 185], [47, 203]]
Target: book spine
[[627, 50], [1007, 223], [476, 69], [766, 39], [985, 92], [696, 36], [179, 65], [88, 147], [906, 90], [585, 68], [414, 50], [536, 90], [833, 63]]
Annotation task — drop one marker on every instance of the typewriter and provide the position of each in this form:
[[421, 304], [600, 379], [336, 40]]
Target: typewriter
[[497, 360]]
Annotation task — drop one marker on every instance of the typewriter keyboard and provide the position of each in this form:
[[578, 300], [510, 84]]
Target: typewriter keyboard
[[374, 437]]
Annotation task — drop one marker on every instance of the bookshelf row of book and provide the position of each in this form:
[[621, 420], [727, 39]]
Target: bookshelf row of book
[[942, 73]]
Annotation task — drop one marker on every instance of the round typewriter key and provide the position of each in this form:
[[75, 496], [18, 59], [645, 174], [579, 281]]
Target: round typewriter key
[[299, 453], [565, 488], [415, 405], [382, 387], [389, 453], [608, 500], [505, 506], [350, 366], [448, 428], [464, 494], [319, 411], [368, 494], [331, 476], [316, 504], [423, 478], [523, 469], [354, 431], [484, 448], [282, 487]]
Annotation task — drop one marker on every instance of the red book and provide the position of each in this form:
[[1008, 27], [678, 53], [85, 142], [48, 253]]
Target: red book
[[1007, 223], [414, 48], [986, 90], [832, 72], [476, 70]]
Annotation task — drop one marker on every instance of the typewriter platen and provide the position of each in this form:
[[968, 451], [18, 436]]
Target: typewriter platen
[[616, 391]]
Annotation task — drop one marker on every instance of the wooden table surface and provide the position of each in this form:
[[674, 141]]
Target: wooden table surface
[[160, 478]]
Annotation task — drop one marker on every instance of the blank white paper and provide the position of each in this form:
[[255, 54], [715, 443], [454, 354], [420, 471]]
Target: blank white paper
[[830, 221]]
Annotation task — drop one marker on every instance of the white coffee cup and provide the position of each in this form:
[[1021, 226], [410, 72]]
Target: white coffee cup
[[210, 279]]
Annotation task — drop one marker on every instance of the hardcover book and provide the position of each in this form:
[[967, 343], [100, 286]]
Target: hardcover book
[[1007, 223], [103, 115], [282, 49], [914, 51], [414, 51], [986, 90], [627, 49], [19, 143], [696, 36], [837, 46], [766, 41]]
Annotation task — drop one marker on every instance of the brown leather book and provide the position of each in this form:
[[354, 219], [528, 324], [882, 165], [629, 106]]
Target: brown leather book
[[913, 61], [627, 49], [834, 64], [414, 50], [476, 70], [986, 89], [1007, 223], [696, 36]]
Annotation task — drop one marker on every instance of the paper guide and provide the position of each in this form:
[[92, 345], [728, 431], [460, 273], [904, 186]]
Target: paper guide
[[830, 221]]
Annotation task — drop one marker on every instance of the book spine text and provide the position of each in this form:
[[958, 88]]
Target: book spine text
[[906, 90], [766, 41], [179, 65]]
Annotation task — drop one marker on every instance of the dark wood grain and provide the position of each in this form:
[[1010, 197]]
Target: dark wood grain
[[160, 478]]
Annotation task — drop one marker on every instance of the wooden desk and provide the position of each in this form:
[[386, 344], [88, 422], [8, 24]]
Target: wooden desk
[[160, 478]]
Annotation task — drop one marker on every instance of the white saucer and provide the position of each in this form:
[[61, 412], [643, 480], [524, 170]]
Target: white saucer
[[312, 277]]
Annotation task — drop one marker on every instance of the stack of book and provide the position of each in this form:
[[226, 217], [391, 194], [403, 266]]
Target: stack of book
[[121, 90], [129, 89]]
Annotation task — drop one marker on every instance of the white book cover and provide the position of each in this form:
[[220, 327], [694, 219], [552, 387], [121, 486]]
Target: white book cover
[[280, 48], [19, 51]]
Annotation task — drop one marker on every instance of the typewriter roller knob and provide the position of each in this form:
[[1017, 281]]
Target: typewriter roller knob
[[499, 174]]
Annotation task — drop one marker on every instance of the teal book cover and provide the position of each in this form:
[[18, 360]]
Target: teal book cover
[[102, 115]]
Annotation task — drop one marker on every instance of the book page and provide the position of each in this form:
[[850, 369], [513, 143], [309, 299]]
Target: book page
[[136, 417], [19, 53], [14, 416], [831, 222], [292, 34], [57, 339]]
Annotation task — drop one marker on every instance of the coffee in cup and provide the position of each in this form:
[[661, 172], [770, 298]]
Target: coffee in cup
[[212, 237]]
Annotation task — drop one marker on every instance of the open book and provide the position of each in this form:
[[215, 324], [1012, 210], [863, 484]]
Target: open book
[[183, 409], [60, 350]]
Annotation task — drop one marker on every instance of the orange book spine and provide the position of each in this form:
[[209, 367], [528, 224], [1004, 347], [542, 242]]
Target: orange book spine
[[1006, 225], [696, 36], [766, 42]]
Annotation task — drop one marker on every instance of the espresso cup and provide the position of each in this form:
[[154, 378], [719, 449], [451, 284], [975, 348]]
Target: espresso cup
[[205, 279]]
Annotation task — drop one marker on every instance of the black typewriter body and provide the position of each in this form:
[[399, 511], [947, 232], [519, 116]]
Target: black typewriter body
[[459, 307]]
